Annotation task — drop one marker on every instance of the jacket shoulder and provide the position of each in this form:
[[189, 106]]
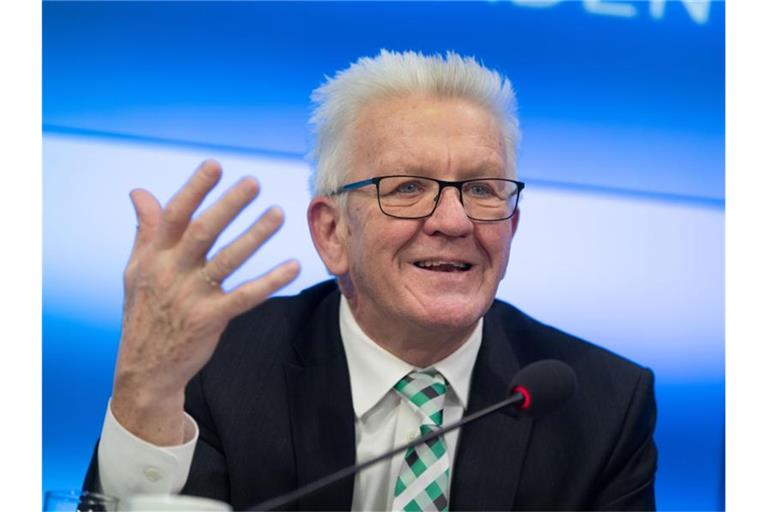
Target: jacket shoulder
[[605, 430], [534, 340]]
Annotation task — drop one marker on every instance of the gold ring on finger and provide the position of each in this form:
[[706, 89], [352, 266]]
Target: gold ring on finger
[[208, 279]]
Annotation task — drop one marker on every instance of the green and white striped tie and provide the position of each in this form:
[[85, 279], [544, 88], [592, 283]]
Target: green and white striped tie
[[424, 477]]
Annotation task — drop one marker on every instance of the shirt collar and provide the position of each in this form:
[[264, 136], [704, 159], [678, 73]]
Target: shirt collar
[[373, 371]]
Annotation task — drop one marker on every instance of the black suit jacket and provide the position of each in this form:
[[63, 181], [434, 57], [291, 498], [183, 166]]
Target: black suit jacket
[[274, 408]]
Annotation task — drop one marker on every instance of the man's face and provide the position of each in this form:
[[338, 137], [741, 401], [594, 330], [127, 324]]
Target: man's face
[[406, 273]]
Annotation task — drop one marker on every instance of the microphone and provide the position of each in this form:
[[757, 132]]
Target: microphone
[[544, 387], [538, 389]]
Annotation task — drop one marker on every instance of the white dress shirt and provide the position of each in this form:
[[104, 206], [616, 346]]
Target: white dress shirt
[[383, 420]]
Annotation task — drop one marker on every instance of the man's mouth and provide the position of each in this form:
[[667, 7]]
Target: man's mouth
[[443, 266]]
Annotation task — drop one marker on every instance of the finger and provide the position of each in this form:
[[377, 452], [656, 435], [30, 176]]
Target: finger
[[148, 214], [236, 253], [252, 293], [206, 228], [180, 208]]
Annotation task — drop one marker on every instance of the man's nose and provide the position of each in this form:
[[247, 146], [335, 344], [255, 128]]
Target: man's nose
[[449, 216]]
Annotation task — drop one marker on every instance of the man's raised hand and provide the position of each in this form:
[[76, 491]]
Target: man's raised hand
[[175, 309]]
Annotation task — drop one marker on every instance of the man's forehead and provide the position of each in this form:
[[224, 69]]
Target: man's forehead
[[420, 107], [427, 135]]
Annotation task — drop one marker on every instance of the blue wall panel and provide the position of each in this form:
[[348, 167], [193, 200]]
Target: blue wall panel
[[240, 74]]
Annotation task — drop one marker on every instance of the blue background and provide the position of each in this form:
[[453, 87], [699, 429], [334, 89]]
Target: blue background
[[621, 240]]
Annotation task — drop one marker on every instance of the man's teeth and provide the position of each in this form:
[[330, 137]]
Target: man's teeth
[[445, 266]]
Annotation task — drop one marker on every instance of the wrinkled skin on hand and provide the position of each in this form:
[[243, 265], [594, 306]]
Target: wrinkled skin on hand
[[174, 309]]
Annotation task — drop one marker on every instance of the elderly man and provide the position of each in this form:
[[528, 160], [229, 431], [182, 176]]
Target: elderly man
[[232, 396]]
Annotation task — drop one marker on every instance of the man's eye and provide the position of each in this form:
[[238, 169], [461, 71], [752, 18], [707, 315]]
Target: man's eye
[[409, 187], [479, 190]]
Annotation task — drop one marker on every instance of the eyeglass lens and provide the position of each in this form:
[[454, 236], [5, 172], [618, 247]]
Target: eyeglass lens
[[412, 196]]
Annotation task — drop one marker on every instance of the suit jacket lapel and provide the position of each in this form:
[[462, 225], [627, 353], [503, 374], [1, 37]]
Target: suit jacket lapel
[[491, 450], [320, 407]]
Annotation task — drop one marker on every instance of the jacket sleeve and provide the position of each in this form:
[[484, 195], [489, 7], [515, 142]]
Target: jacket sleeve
[[208, 476], [627, 481], [159, 470]]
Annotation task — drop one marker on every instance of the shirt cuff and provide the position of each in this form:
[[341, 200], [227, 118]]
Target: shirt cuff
[[129, 465]]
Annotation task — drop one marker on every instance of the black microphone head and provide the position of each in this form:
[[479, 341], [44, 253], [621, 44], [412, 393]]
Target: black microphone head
[[545, 385]]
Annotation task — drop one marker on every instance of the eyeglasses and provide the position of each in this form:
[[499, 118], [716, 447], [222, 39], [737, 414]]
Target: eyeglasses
[[416, 197]]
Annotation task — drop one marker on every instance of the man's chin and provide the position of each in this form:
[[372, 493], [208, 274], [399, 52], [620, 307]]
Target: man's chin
[[454, 315]]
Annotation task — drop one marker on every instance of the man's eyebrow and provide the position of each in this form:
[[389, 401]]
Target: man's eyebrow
[[405, 168], [485, 168]]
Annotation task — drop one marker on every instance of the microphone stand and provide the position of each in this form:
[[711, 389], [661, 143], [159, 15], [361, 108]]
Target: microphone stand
[[310, 488]]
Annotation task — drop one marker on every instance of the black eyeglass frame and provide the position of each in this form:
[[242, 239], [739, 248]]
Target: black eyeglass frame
[[441, 185]]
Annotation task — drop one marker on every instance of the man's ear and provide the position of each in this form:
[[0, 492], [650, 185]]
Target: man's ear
[[329, 233]]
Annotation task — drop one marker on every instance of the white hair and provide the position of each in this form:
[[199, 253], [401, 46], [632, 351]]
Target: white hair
[[340, 100]]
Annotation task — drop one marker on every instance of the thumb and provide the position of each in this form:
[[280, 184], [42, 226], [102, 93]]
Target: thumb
[[148, 215]]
